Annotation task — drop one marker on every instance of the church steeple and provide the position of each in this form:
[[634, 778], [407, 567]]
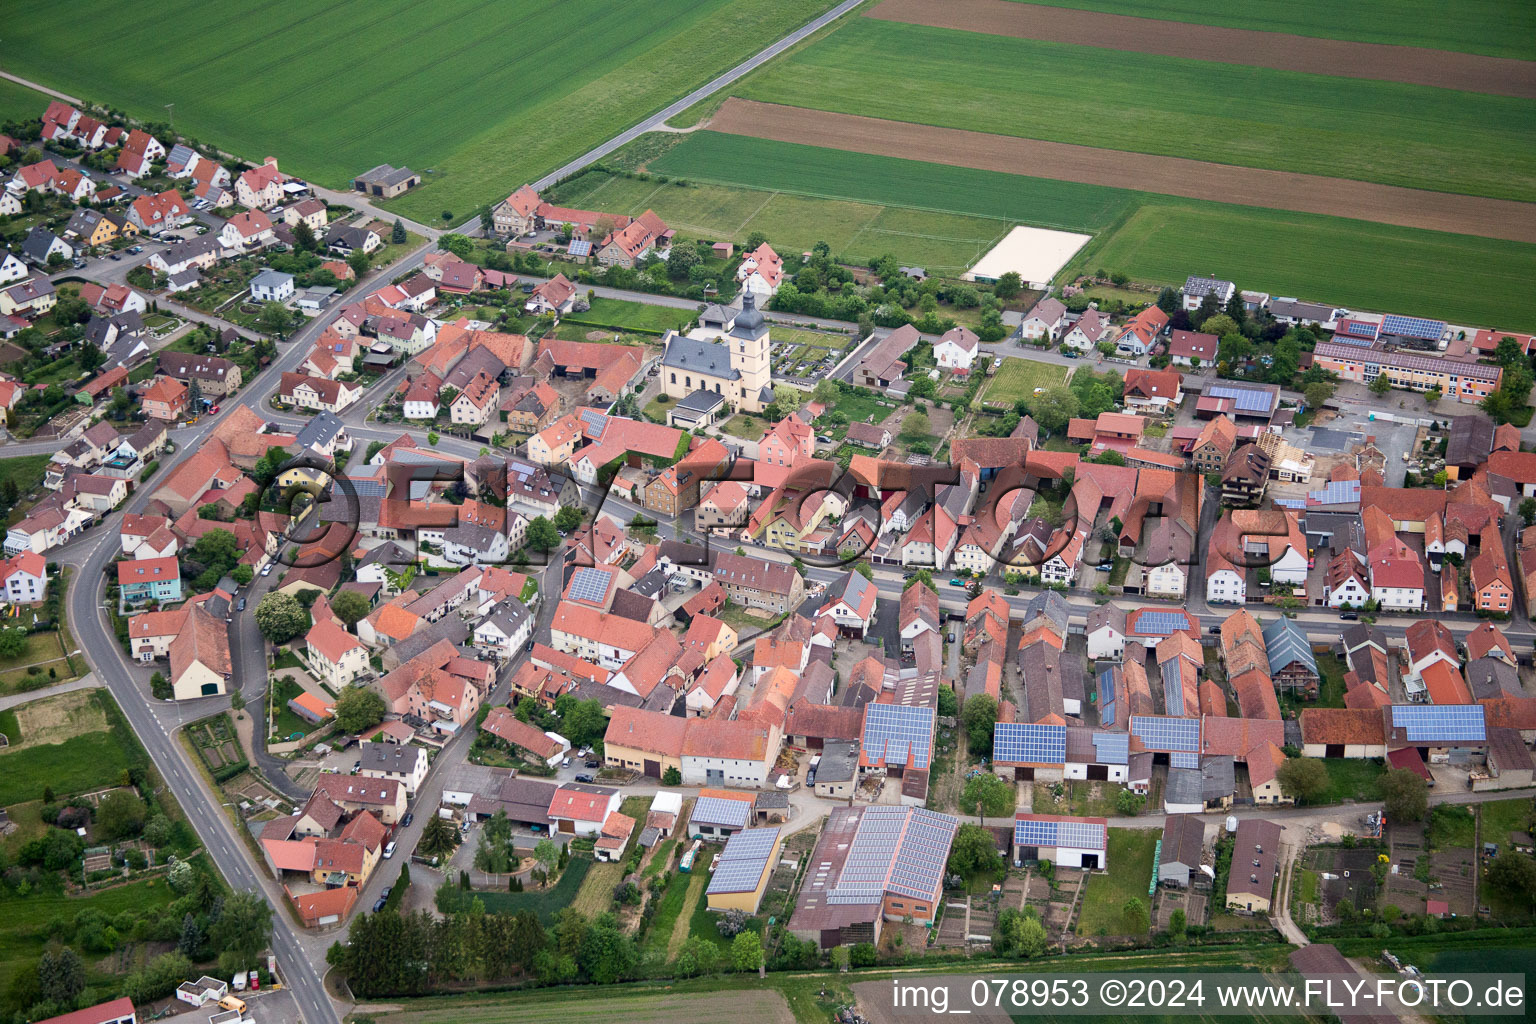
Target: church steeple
[[750, 346]]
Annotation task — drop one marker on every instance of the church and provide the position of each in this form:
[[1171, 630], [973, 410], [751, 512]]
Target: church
[[736, 367]]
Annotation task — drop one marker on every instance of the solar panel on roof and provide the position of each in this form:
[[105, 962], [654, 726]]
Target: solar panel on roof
[[581, 247], [743, 861], [1160, 733], [1436, 723], [1245, 399], [1029, 743], [895, 732], [1108, 696], [1112, 747], [1413, 327], [589, 584], [1082, 835], [1336, 492], [1161, 623], [1183, 759], [1173, 688], [716, 810]]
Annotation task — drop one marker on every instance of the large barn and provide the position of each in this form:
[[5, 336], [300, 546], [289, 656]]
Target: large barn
[[1069, 842]]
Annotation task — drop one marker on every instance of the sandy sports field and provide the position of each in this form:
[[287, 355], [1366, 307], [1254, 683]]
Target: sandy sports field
[[760, 1007], [1194, 179], [1445, 69]]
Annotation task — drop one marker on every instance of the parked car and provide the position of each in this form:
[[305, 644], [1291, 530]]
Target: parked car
[[357, 766], [242, 605], [389, 851], [387, 890], [1104, 567], [464, 826], [585, 778], [1349, 616], [405, 822], [378, 904], [951, 636], [267, 571], [116, 256], [565, 762], [957, 582]]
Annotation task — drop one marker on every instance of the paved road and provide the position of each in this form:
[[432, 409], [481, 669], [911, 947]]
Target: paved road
[[702, 92], [85, 682]]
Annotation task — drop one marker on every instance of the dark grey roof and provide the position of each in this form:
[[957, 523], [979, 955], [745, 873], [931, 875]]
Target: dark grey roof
[[39, 241], [1111, 615], [1297, 310], [749, 322], [1470, 441], [1339, 530], [1361, 634], [717, 314], [450, 627], [839, 761], [1287, 645], [321, 430], [707, 357], [508, 616], [1184, 786], [1218, 777], [701, 401], [1493, 677], [1183, 840]]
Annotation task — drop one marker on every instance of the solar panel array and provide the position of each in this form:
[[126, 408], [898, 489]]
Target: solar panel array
[[594, 420], [919, 864], [892, 732], [1079, 835], [1161, 733], [1413, 327], [714, 810], [743, 861], [1356, 329], [589, 584], [1173, 688], [1161, 623], [1109, 696], [903, 849], [581, 247], [1255, 400], [1436, 723], [1029, 743], [1336, 492], [1183, 759], [1112, 747]]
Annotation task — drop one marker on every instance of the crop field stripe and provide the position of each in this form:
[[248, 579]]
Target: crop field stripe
[[1192, 179], [1389, 132], [741, 229], [1498, 28], [1444, 69], [486, 99], [1153, 238]]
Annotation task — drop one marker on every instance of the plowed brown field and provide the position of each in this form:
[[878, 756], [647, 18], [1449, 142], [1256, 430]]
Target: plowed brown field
[[1415, 65], [1195, 179]]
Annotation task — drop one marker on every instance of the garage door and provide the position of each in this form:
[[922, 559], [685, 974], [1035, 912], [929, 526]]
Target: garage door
[[1098, 771], [653, 769], [567, 825], [1023, 774]]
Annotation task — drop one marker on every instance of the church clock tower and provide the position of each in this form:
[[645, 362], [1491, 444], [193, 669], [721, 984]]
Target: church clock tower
[[750, 355]]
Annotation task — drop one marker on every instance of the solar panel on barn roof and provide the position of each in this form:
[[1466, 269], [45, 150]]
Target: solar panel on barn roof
[[1161, 733], [1029, 743]]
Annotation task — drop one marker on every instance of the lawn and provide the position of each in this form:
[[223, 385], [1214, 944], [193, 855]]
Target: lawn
[[1018, 378], [623, 315], [25, 470], [1330, 693], [545, 903], [18, 103], [748, 428], [284, 722], [669, 906], [596, 892], [939, 241], [1130, 859], [532, 102], [1501, 817], [1351, 779], [1152, 238], [87, 761], [861, 406], [1451, 825], [1493, 27], [1371, 130], [45, 651]]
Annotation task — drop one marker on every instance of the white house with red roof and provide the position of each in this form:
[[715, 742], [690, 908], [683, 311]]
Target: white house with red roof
[[761, 272], [850, 604], [1141, 331], [249, 230], [956, 349], [579, 809], [159, 213], [630, 244], [556, 295], [139, 150], [261, 187], [336, 655], [24, 578]]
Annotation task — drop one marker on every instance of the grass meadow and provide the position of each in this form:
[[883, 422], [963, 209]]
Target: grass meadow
[[1131, 852], [1018, 378], [484, 98], [1497, 28], [94, 758], [1152, 238], [1388, 132]]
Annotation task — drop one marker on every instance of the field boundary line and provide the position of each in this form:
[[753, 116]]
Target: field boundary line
[[848, 245], [1233, 184], [753, 215], [1256, 48]]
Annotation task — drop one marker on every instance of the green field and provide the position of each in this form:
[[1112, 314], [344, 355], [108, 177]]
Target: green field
[[1388, 132], [545, 903], [1501, 817], [82, 763], [1154, 238], [1352, 779], [1498, 28], [1018, 378], [27, 919], [623, 315], [485, 97], [939, 241], [1130, 869]]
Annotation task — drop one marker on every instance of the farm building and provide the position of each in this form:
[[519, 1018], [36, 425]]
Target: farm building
[[1068, 842], [873, 864], [746, 865], [1509, 762], [1342, 732], [1442, 733], [1183, 841], [837, 773], [581, 809], [718, 814], [1255, 851]]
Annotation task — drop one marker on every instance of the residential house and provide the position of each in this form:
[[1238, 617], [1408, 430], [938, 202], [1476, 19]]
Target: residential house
[[24, 578], [557, 295], [1046, 320], [215, 376], [42, 245], [335, 655], [956, 349], [201, 665], [317, 393], [245, 232], [260, 187], [1196, 289], [761, 272], [156, 214], [1141, 331], [1191, 348], [626, 246], [1158, 391], [1091, 328]]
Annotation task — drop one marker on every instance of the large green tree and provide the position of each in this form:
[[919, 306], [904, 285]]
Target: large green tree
[[120, 815], [542, 535], [1303, 779], [243, 927], [1404, 795], [349, 606], [974, 853], [359, 708], [438, 838], [280, 617], [979, 715], [1053, 409], [987, 795]]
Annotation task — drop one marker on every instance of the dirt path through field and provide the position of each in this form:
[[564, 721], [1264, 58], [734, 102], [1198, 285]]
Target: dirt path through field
[[1501, 76], [1195, 179]]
